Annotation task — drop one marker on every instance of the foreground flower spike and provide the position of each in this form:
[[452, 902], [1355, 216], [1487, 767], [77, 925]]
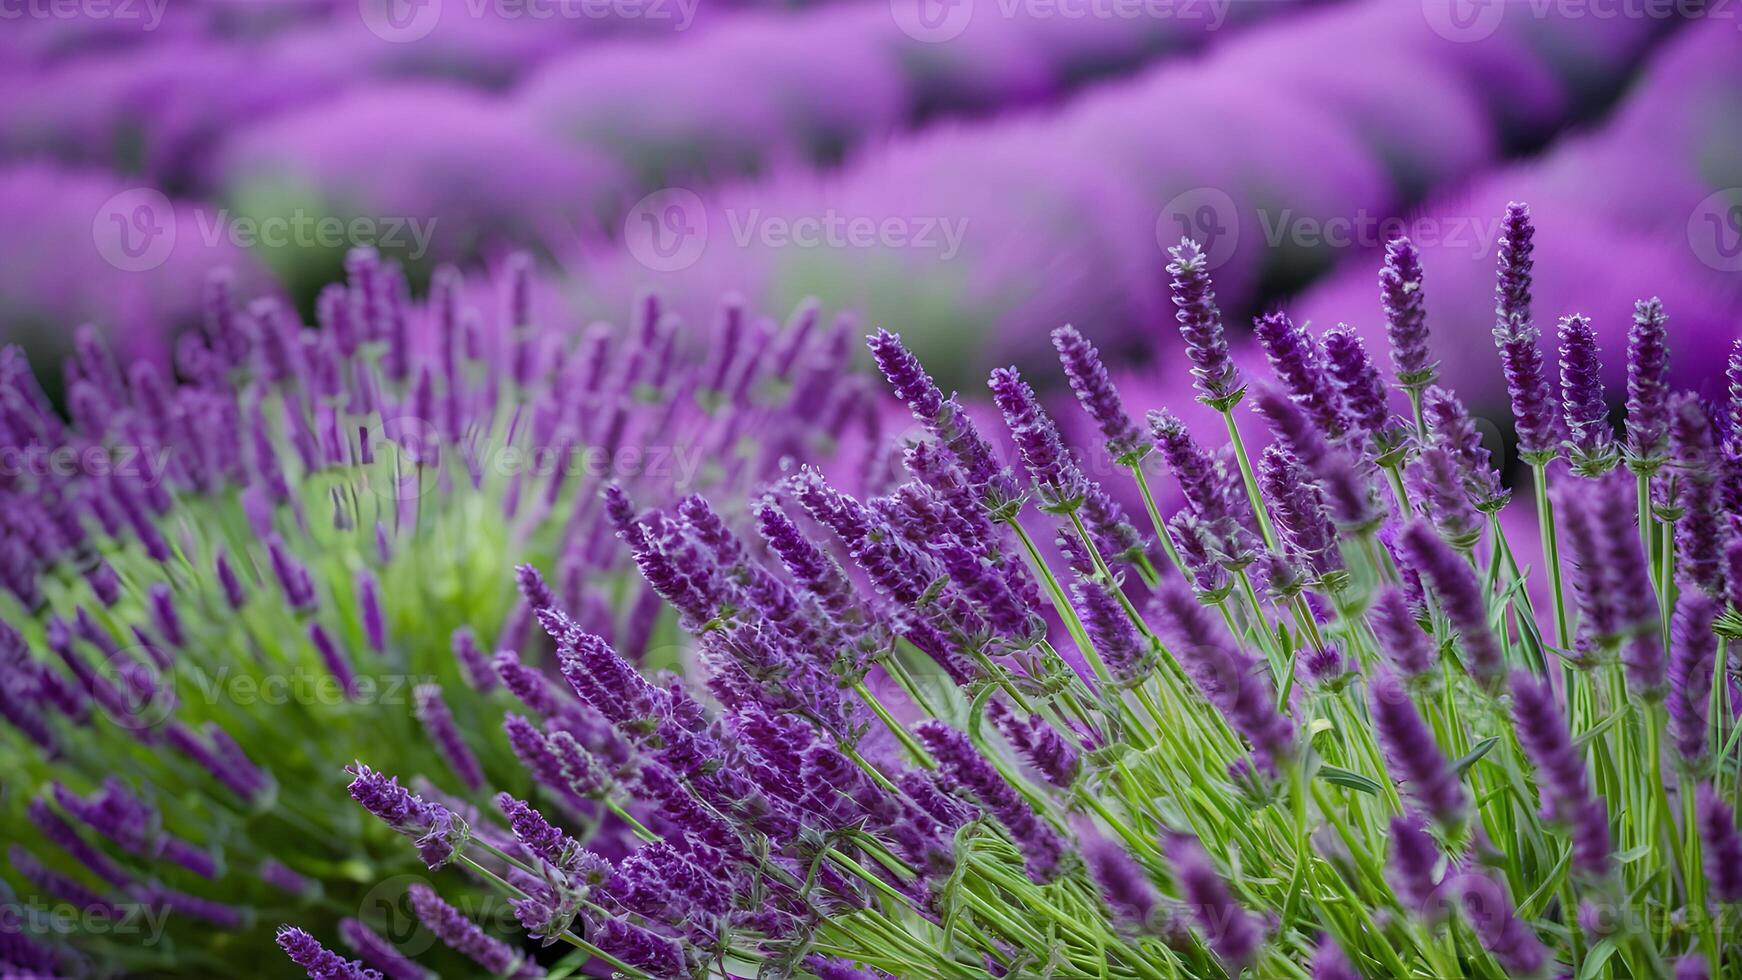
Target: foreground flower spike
[[1296, 358], [1329, 963], [1450, 427], [1527, 385], [1513, 285], [1124, 885], [320, 963], [1200, 323], [1647, 386], [463, 936], [1720, 844], [1227, 676], [1693, 659], [1410, 746], [376, 951], [438, 724], [1362, 391], [1699, 534], [1050, 465], [944, 419], [1415, 871], [1492, 916], [1094, 389], [1453, 583], [1400, 292], [439, 833], [1410, 647], [1591, 446], [1561, 778], [1349, 497], [1227, 928], [962, 764]]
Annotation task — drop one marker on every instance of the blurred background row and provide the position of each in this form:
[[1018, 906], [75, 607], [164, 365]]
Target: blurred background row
[[971, 173]]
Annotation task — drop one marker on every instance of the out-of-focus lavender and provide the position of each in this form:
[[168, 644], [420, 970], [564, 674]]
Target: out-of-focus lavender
[[1644, 205], [980, 239]]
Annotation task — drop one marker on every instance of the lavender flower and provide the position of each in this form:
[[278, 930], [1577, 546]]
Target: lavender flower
[[1362, 391], [1228, 929], [945, 419], [1110, 630], [959, 761], [1512, 290], [1200, 323], [1435, 486], [1450, 427], [1459, 594], [378, 952], [1409, 745], [1592, 443], [1720, 845], [1329, 963], [438, 724], [1094, 389], [1647, 385], [320, 963], [439, 833], [1527, 385], [1050, 464], [1299, 362], [1401, 638], [1415, 872], [1348, 497], [1561, 780], [1698, 532], [1124, 885], [1693, 659], [1226, 675], [1039, 743], [1491, 915], [1298, 508], [464, 937], [1400, 290]]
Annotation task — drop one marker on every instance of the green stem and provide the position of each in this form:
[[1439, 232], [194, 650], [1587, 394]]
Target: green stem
[[1252, 494]]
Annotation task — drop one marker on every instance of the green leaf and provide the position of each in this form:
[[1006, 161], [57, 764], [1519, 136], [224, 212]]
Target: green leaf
[[1599, 728], [1628, 857], [1598, 956], [1463, 765], [1349, 779]]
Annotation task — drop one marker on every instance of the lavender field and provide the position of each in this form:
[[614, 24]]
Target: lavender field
[[865, 489]]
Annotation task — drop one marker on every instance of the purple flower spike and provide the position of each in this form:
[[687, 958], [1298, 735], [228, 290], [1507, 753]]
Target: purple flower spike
[[1200, 323], [1410, 748], [439, 833], [1348, 495], [463, 936], [1699, 531], [1050, 465], [1721, 845], [1512, 288], [1527, 385], [438, 724], [1400, 291], [1454, 584], [1733, 371], [1038, 743], [1592, 440], [335, 659], [474, 666], [369, 606], [944, 418], [1647, 385], [1362, 390], [1124, 885], [961, 763], [1450, 426], [537, 594], [1510, 941], [1329, 963], [1094, 389], [1229, 930], [320, 962], [1297, 360], [376, 951], [1560, 772], [1401, 638], [1415, 868], [1437, 489], [1298, 507], [1227, 675], [1693, 658], [1111, 631]]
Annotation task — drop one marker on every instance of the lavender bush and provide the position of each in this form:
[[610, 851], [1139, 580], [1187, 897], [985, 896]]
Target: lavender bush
[[1311, 724], [220, 590]]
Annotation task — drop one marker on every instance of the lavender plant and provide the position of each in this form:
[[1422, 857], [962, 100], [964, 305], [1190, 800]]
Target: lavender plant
[[220, 590], [1327, 734]]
